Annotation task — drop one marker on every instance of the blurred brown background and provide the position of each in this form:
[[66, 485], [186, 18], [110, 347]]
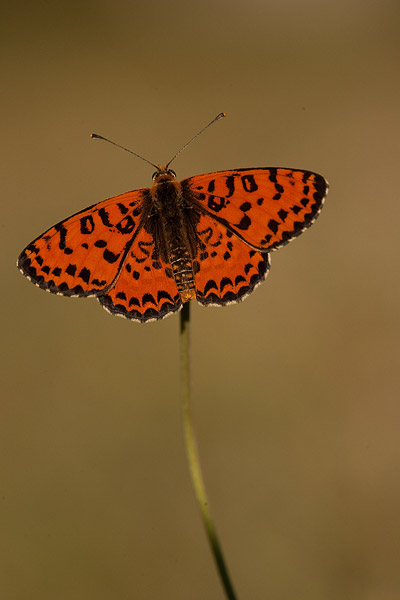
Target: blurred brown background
[[296, 390]]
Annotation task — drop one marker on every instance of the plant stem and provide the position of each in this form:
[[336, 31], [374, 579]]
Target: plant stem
[[192, 453]]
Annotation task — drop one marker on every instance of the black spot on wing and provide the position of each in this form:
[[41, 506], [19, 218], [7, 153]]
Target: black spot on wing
[[230, 184], [163, 295], [110, 257], [211, 185], [272, 174], [273, 225], [104, 216], [134, 301], [249, 183], [71, 270], [239, 279], [127, 225], [215, 203], [122, 208], [244, 223], [87, 224], [84, 275], [210, 285], [224, 282], [62, 244], [99, 282]]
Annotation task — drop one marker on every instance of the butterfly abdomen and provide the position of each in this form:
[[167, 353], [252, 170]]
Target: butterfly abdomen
[[175, 243]]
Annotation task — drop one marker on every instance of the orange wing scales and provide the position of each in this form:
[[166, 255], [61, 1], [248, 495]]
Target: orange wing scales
[[226, 270], [265, 207]]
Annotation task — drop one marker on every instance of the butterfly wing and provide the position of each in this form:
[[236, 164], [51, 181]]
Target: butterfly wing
[[145, 289], [83, 255], [226, 268], [105, 251], [264, 207]]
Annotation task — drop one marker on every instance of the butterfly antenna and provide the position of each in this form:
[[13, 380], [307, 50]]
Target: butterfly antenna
[[95, 136], [217, 118]]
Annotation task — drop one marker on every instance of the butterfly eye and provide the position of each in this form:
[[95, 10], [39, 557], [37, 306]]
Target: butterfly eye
[[157, 174]]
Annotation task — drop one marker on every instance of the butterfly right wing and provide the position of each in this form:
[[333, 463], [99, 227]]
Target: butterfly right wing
[[226, 268], [264, 207], [244, 214]]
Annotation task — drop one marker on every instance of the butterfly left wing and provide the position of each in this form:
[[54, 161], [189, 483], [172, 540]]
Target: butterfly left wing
[[264, 207], [83, 255], [145, 289]]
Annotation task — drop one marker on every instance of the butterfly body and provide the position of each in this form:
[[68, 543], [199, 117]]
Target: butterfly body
[[172, 219], [146, 252]]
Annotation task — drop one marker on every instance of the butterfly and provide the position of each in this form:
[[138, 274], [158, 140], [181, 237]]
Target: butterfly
[[208, 237]]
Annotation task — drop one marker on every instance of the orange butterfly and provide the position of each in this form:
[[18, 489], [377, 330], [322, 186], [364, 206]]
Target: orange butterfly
[[146, 252]]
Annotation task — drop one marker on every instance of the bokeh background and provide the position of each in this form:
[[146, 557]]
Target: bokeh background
[[296, 390]]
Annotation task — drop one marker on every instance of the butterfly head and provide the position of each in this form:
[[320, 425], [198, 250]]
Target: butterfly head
[[163, 174]]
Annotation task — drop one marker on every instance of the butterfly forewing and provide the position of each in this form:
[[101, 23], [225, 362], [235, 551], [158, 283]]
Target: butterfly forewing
[[83, 254], [265, 207]]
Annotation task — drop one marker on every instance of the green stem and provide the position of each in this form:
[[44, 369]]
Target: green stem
[[193, 457]]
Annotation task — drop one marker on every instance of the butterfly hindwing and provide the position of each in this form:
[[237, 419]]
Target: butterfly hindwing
[[145, 289], [226, 269], [265, 207], [83, 254]]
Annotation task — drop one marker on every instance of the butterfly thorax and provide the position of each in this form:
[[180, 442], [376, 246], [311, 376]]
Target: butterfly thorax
[[172, 224]]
